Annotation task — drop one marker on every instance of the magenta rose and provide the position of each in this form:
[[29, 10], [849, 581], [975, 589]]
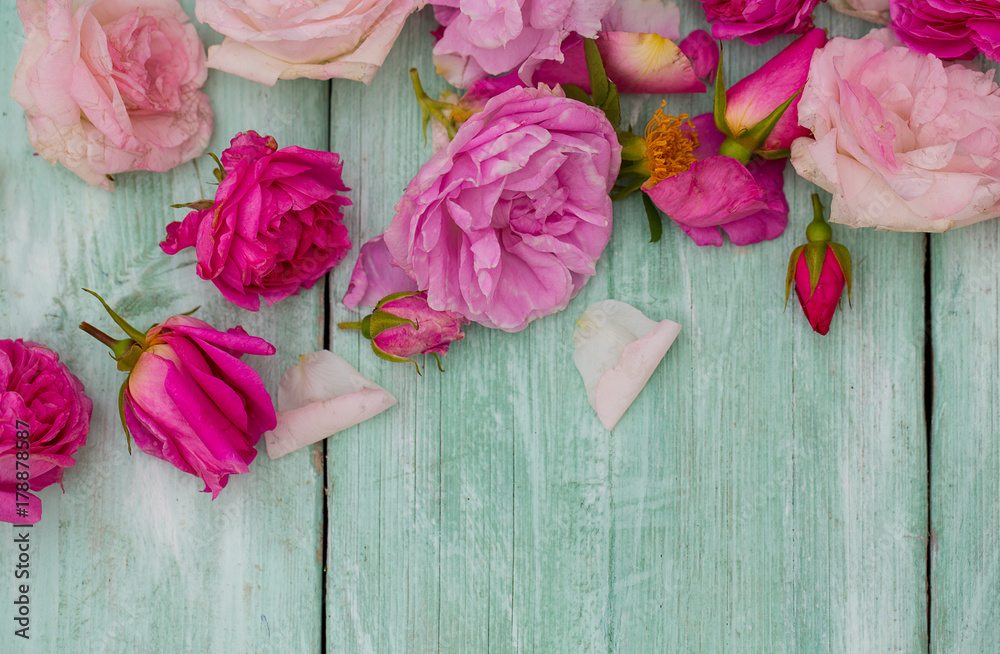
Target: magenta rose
[[491, 37], [758, 21], [506, 224], [275, 225], [188, 399], [44, 420], [109, 86], [949, 29]]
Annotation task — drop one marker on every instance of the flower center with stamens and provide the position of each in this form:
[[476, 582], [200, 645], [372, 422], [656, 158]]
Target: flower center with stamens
[[670, 144]]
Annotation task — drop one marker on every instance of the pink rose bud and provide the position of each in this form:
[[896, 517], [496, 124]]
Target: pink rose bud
[[820, 268], [44, 420], [275, 225], [404, 325], [188, 399]]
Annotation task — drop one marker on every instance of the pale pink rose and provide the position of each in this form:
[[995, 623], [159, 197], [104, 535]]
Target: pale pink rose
[[268, 40], [481, 38], [902, 141], [110, 86], [877, 11]]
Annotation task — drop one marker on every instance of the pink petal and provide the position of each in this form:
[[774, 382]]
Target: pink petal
[[374, 276], [703, 51]]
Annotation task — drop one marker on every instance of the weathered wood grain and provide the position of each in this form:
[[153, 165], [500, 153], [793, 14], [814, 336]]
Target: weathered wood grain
[[132, 558], [766, 492], [965, 479]]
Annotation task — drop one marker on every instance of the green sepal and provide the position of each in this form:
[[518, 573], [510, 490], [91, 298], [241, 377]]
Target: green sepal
[[133, 333], [186, 313], [438, 359], [844, 259], [392, 357], [719, 108], [574, 92], [633, 146], [431, 108], [793, 261], [199, 205], [121, 414], [774, 154], [380, 321], [128, 360], [219, 172], [654, 218], [732, 148], [815, 255], [394, 296], [752, 139], [599, 83]]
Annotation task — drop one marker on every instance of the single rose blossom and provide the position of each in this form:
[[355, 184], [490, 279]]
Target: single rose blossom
[[903, 142], [876, 11], [403, 325], [949, 29], [486, 37], [188, 399], [506, 224], [109, 87], [287, 39], [820, 270], [703, 190], [275, 225], [318, 397], [759, 21], [44, 420], [617, 349]]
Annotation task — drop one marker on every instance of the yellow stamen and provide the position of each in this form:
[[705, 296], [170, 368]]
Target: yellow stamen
[[670, 143]]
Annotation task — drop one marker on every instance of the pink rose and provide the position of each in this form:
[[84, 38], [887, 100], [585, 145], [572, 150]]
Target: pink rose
[[758, 21], [876, 11], [111, 86], [267, 40], [491, 37], [275, 225], [950, 29], [188, 399], [507, 222], [902, 141], [44, 420]]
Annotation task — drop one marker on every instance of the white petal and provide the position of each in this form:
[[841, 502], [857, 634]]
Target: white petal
[[617, 350], [319, 396]]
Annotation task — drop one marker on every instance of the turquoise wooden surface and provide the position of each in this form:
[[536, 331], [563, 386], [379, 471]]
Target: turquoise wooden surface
[[767, 492]]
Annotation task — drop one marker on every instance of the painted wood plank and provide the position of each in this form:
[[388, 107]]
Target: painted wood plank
[[132, 557], [965, 479], [765, 493]]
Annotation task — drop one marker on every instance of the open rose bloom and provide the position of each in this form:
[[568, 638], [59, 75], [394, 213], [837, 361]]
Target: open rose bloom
[[268, 40], [758, 21], [110, 86], [43, 402], [506, 224], [903, 141]]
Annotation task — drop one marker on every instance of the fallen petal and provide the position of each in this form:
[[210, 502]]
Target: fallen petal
[[617, 350], [374, 276], [319, 396]]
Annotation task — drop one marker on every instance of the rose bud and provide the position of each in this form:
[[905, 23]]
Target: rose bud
[[44, 420], [403, 325], [820, 269], [188, 399]]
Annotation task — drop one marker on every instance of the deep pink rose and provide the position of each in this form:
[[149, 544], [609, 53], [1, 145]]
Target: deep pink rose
[[949, 29], [44, 420], [275, 225], [267, 40], [190, 401], [491, 37], [506, 223], [758, 21], [903, 141], [110, 86]]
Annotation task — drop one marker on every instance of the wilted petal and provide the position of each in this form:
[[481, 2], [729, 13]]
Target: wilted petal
[[617, 350], [319, 396]]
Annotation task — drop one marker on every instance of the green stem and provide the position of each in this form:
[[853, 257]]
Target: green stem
[[98, 334], [432, 107], [349, 325]]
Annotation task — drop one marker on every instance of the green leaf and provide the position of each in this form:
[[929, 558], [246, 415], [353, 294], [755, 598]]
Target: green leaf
[[793, 261], [133, 333], [719, 108], [815, 255], [754, 137], [654, 218], [198, 205], [612, 105], [599, 86], [774, 154], [574, 92], [844, 259], [622, 192], [219, 172], [121, 414]]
